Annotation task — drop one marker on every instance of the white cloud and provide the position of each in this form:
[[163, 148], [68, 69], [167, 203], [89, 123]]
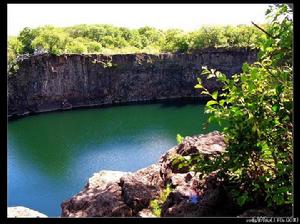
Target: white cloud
[[184, 16]]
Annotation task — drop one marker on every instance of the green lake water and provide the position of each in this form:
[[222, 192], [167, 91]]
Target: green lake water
[[51, 156]]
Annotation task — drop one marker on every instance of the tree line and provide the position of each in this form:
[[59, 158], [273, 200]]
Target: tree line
[[108, 39]]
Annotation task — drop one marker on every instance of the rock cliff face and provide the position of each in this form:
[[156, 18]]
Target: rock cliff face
[[47, 83]]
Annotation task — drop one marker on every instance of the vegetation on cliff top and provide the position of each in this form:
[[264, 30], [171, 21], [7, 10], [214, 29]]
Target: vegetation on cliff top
[[107, 39], [255, 110]]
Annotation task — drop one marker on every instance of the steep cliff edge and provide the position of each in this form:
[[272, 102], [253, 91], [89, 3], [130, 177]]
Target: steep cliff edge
[[48, 83]]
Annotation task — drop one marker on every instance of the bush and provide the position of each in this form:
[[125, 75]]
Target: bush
[[255, 111]]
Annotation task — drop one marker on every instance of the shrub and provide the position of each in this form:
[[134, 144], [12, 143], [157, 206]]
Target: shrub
[[255, 111]]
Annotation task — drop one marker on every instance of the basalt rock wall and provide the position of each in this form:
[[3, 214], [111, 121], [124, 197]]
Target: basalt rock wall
[[48, 83]]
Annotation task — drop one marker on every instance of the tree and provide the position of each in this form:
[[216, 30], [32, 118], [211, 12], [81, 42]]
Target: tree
[[151, 36], [77, 45], [102, 38], [52, 39], [208, 36], [26, 37], [13, 50], [94, 47], [175, 40]]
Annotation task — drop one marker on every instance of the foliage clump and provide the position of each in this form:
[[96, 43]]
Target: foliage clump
[[255, 110], [14, 49]]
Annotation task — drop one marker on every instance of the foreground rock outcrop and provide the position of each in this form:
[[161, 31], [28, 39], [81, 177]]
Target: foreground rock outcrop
[[23, 212], [47, 83], [123, 194], [111, 193]]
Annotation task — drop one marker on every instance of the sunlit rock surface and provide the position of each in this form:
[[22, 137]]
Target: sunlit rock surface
[[23, 212]]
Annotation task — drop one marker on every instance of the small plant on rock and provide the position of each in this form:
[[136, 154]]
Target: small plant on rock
[[156, 204]]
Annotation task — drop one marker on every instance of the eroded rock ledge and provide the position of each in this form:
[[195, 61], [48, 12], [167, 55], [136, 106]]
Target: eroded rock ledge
[[119, 194]]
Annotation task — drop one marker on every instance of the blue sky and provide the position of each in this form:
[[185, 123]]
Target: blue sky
[[163, 16]]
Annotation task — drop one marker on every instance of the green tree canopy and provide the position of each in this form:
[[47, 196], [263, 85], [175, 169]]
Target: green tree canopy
[[108, 39]]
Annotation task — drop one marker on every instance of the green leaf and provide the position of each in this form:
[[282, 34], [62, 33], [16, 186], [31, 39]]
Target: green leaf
[[276, 122], [221, 77], [275, 108], [245, 67], [254, 128], [179, 138], [250, 115], [251, 86], [242, 199], [222, 102], [198, 86], [205, 71], [211, 119], [210, 76], [282, 190], [199, 81], [256, 186], [211, 102], [279, 89], [215, 95]]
